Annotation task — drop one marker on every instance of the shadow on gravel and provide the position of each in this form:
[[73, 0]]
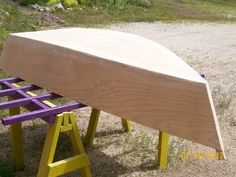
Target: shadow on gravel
[[108, 133]]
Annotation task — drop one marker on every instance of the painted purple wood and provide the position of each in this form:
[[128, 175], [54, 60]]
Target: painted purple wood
[[25, 101], [32, 103], [36, 105], [41, 113], [50, 119], [12, 91], [11, 80]]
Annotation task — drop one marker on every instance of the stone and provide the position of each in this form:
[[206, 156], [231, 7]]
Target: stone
[[34, 6], [47, 9], [58, 6], [144, 3]]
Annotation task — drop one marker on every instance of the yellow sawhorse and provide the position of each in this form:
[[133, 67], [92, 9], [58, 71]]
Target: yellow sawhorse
[[162, 145], [65, 122]]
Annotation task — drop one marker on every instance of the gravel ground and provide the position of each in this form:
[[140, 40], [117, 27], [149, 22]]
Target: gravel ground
[[209, 48]]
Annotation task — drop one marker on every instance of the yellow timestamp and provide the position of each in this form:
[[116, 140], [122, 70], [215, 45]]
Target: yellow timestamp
[[201, 155]]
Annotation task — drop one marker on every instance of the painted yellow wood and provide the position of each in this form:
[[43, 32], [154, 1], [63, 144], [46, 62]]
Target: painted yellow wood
[[66, 128], [163, 150], [49, 147], [16, 135], [220, 155], [78, 145], [126, 124], [75, 135], [17, 141], [17, 146], [92, 127], [80, 161], [67, 165], [65, 123]]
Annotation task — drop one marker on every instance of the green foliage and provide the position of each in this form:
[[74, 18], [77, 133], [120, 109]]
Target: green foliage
[[121, 3], [6, 169], [70, 3], [27, 2], [3, 36], [117, 2], [103, 12], [12, 20], [52, 2]]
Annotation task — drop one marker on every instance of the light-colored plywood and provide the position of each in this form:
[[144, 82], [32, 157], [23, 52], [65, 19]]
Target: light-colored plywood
[[123, 74]]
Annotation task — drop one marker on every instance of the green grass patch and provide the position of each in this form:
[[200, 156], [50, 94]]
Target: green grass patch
[[13, 20], [6, 168], [27, 2], [106, 12], [160, 10]]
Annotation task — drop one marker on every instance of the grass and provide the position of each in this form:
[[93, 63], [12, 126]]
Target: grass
[[224, 101], [14, 19], [161, 10], [6, 168], [224, 8]]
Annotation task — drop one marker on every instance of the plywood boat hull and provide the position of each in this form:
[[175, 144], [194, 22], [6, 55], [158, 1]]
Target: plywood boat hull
[[119, 73]]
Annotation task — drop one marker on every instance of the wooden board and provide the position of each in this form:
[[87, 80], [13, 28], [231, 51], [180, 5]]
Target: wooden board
[[120, 73]]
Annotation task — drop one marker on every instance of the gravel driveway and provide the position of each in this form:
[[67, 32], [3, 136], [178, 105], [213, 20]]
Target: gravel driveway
[[211, 49]]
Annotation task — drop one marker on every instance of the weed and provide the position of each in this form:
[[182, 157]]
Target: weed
[[222, 97]]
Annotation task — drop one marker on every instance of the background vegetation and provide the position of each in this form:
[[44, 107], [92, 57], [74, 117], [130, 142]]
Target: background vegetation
[[14, 18]]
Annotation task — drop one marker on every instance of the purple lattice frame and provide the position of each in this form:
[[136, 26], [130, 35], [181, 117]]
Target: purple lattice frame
[[20, 97]]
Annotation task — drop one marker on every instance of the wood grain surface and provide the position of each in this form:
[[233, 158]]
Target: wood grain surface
[[123, 74]]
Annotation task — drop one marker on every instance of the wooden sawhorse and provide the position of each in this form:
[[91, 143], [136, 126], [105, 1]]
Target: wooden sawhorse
[[64, 122]]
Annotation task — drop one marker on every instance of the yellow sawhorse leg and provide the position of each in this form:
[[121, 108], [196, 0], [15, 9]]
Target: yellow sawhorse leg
[[163, 150], [65, 122], [92, 127], [16, 140], [126, 124], [220, 155]]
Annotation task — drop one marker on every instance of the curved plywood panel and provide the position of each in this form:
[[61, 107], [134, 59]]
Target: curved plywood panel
[[120, 73]]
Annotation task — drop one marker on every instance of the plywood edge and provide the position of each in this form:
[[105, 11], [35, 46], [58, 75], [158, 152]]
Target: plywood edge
[[221, 144]]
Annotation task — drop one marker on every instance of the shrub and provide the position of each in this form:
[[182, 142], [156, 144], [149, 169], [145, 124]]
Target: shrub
[[70, 3], [52, 2]]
